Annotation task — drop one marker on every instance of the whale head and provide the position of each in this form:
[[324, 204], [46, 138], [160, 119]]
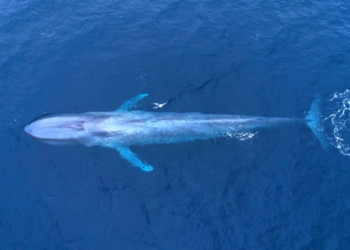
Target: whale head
[[58, 130]]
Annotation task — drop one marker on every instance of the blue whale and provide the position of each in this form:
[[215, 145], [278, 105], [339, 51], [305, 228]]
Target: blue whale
[[125, 127]]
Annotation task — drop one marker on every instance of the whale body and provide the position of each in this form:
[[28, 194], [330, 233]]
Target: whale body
[[124, 128]]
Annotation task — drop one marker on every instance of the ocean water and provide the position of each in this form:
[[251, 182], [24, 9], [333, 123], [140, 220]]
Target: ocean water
[[274, 189]]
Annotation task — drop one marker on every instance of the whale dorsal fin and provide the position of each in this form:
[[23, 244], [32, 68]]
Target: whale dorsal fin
[[129, 104]]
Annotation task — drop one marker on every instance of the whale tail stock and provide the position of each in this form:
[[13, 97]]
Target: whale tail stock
[[313, 120]]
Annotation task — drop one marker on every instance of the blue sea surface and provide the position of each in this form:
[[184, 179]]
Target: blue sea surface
[[274, 189]]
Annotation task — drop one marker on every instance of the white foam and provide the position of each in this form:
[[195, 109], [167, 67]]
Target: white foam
[[243, 136], [339, 104]]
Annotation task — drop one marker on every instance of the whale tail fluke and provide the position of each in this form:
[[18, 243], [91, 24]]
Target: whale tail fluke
[[313, 120]]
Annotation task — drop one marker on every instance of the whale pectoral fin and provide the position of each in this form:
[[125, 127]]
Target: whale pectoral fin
[[131, 103], [131, 157]]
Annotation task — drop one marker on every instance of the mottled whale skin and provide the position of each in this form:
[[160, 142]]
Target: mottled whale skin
[[124, 128]]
